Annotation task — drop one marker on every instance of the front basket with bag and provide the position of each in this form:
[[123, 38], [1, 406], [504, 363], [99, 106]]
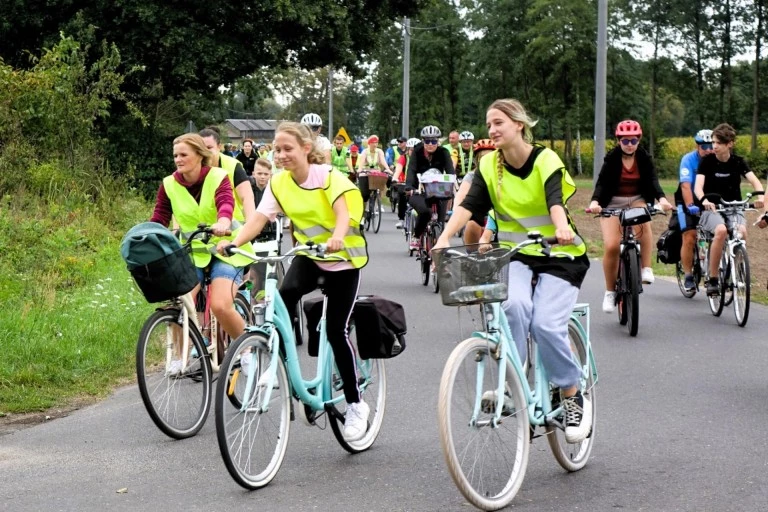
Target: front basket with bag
[[160, 265], [437, 185], [468, 275]]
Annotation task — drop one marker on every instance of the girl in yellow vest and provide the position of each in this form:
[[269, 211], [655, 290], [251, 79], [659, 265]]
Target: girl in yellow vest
[[527, 186], [198, 193], [324, 207]]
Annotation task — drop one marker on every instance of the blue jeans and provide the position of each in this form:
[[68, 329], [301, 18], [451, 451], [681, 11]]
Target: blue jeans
[[220, 268]]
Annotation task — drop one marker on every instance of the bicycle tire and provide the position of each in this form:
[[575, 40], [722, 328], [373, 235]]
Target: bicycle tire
[[252, 429], [741, 286], [680, 273], [372, 378], [573, 457], [725, 277], [489, 479], [162, 393], [393, 199], [376, 219], [717, 302], [434, 234], [621, 292], [425, 267], [633, 290]]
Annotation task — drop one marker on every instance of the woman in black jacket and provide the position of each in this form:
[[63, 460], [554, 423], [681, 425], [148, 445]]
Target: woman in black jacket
[[627, 178]]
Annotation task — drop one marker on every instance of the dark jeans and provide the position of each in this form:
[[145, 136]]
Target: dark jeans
[[423, 207], [341, 288], [365, 191]]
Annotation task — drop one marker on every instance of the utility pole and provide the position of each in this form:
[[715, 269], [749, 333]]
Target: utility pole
[[330, 103], [406, 75], [600, 74]]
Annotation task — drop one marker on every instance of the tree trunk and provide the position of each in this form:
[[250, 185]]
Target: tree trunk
[[756, 85], [654, 89]]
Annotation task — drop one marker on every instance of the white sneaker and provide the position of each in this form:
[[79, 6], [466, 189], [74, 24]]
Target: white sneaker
[[578, 418], [399, 225], [609, 302], [245, 363], [356, 421], [175, 367], [647, 275]]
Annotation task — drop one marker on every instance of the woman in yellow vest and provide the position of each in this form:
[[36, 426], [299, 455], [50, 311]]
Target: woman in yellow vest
[[527, 186], [198, 193], [324, 207]]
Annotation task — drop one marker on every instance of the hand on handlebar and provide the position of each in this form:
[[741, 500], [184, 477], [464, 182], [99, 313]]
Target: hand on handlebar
[[594, 207], [219, 230], [564, 236], [665, 205], [708, 205], [222, 247], [334, 245]]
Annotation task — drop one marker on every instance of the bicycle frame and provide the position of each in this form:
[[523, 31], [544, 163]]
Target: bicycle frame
[[538, 401]]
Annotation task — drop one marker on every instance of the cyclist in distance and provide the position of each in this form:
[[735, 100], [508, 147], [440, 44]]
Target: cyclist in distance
[[528, 186], [627, 179], [685, 201], [244, 202], [466, 154], [399, 177], [354, 155], [340, 156], [325, 202], [426, 155], [453, 147], [198, 192], [371, 158], [474, 230], [248, 156], [314, 122], [720, 173]]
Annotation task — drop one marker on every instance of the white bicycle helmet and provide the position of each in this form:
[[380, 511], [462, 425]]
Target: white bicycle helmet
[[431, 131], [703, 137], [393, 142], [312, 120], [466, 136], [411, 143]]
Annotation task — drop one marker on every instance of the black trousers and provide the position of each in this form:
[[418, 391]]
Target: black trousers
[[341, 288], [423, 207]]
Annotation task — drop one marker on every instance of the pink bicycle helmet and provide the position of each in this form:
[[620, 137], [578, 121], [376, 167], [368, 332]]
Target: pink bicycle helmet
[[628, 128]]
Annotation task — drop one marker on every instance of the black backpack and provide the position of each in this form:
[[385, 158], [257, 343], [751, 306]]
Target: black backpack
[[379, 326], [668, 247]]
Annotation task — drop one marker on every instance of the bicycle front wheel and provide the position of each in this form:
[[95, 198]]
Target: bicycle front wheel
[[487, 462], [632, 298], [717, 302], [573, 457], [253, 437], [376, 218], [177, 400], [688, 294], [741, 284]]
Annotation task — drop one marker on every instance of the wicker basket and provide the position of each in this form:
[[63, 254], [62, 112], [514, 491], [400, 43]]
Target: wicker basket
[[377, 180], [468, 277]]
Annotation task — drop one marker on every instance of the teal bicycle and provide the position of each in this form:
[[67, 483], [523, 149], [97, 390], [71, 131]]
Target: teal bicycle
[[491, 404], [254, 408]]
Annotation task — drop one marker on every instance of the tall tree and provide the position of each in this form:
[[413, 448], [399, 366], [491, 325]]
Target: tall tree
[[759, 14]]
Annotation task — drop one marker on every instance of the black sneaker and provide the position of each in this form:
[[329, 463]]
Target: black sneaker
[[578, 417], [713, 288]]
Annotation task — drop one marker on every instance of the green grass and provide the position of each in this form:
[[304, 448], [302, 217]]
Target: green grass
[[83, 346]]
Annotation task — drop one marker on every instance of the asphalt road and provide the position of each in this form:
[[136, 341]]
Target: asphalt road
[[681, 426]]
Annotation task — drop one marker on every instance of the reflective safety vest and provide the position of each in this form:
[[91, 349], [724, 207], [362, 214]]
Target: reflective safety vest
[[312, 215], [339, 161], [229, 164], [522, 205], [189, 213], [466, 163]]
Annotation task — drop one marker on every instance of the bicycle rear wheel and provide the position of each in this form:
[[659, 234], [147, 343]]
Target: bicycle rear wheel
[[688, 294], [573, 457], [487, 462], [252, 438], [425, 261], [434, 234], [372, 381], [178, 402], [741, 285], [376, 218]]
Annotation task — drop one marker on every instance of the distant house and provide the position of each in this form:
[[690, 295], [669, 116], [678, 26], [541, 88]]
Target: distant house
[[258, 130]]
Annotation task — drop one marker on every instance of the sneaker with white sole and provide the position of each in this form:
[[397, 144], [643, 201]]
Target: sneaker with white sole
[[647, 275], [609, 302], [690, 283], [415, 245], [175, 367], [488, 403], [399, 225], [356, 421], [578, 417], [245, 362]]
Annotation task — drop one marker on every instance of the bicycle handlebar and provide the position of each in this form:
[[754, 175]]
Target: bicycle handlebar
[[318, 249], [615, 212], [534, 238]]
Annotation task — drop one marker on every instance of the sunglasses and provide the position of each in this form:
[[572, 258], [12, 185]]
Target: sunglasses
[[430, 141], [705, 146], [629, 142]]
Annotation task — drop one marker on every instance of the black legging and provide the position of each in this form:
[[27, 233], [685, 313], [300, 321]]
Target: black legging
[[341, 288], [423, 207]]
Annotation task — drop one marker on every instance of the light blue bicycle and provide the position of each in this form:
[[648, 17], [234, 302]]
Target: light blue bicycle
[[491, 403], [254, 407]]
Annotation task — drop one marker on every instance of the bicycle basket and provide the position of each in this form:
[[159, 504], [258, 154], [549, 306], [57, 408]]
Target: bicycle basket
[[377, 179], [467, 276], [634, 216], [170, 276], [438, 186]]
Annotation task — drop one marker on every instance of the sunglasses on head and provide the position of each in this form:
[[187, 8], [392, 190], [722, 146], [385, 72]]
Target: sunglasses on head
[[706, 146], [430, 141], [628, 142]]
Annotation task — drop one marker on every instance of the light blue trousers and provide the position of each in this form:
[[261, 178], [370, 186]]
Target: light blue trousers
[[545, 315]]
